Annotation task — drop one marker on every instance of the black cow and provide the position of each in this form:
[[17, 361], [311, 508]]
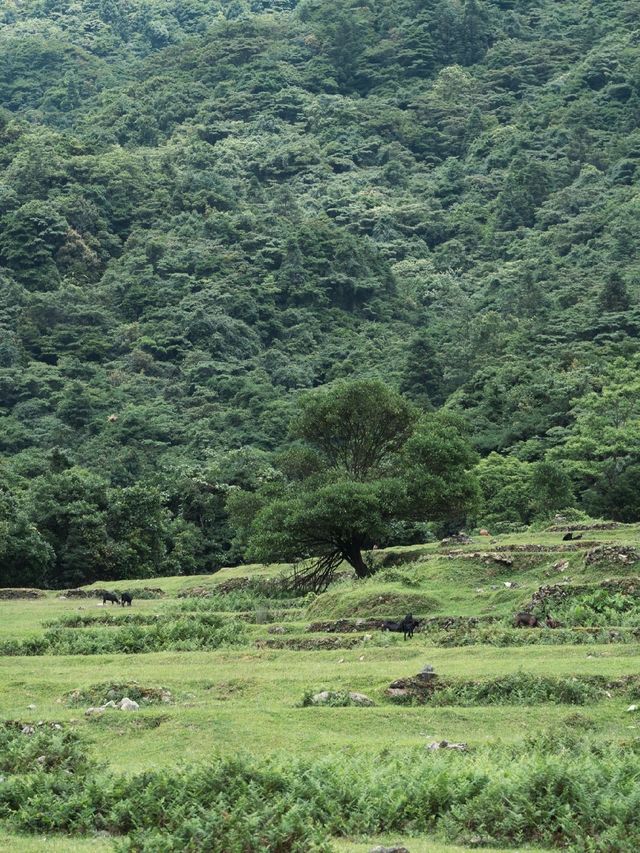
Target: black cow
[[110, 596], [525, 620], [125, 599], [406, 627]]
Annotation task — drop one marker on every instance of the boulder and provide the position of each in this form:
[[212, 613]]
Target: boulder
[[444, 744], [127, 704], [395, 849], [326, 696]]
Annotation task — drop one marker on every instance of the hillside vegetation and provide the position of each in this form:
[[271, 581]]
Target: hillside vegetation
[[209, 207]]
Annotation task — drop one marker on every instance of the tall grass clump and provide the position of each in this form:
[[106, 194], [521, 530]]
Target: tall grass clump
[[186, 633]]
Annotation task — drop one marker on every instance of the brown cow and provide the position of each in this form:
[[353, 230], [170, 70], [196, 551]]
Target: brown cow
[[525, 620]]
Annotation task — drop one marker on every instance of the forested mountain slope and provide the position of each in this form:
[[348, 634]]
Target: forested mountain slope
[[207, 208]]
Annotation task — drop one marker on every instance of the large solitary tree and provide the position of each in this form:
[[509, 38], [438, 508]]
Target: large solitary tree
[[363, 459]]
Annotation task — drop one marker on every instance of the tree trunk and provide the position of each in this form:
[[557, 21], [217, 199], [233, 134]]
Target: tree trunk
[[354, 557]]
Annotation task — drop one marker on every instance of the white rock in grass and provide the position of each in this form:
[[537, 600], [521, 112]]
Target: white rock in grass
[[127, 704], [444, 744], [326, 696], [633, 708], [381, 849]]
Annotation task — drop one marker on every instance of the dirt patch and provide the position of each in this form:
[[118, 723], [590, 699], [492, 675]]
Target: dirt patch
[[142, 593], [15, 593], [309, 643], [349, 626]]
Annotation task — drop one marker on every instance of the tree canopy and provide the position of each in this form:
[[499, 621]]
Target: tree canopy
[[375, 463]]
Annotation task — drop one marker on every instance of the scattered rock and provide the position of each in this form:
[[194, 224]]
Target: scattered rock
[[31, 707], [308, 643], [395, 849], [561, 565], [427, 673], [127, 704], [325, 697], [633, 708], [510, 584], [572, 528], [348, 626], [457, 539], [28, 730], [143, 592], [41, 759], [276, 629], [90, 712], [547, 597], [444, 744], [611, 554]]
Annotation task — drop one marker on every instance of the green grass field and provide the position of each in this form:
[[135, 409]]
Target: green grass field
[[246, 698]]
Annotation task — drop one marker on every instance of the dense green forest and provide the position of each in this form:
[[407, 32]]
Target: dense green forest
[[210, 207]]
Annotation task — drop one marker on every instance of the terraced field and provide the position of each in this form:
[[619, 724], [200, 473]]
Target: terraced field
[[222, 667]]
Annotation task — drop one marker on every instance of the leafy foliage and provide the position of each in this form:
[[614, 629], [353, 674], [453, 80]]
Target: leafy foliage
[[209, 207], [367, 462]]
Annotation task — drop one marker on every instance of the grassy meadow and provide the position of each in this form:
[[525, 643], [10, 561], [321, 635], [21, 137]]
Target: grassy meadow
[[244, 697]]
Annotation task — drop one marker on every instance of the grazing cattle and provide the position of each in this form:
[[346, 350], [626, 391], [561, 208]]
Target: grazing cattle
[[525, 620], [571, 537], [552, 623], [110, 596], [125, 598], [407, 626]]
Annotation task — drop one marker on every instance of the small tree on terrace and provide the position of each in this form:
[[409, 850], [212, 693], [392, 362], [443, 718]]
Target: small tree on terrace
[[364, 459]]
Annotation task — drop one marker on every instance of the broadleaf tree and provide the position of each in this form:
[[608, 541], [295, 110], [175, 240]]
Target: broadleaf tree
[[378, 462]]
